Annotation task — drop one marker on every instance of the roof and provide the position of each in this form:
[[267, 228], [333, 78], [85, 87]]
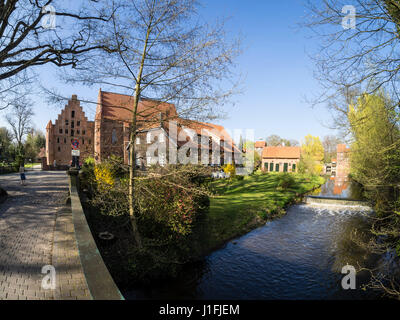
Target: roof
[[342, 148], [206, 128], [281, 152], [333, 160], [260, 144], [116, 106]]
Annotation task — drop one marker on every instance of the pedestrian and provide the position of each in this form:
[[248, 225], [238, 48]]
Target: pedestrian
[[55, 163], [22, 174]]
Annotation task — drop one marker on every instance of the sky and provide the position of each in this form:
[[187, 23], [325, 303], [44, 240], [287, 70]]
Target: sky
[[275, 65]]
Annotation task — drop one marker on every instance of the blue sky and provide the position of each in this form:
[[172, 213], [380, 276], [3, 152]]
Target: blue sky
[[277, 72]]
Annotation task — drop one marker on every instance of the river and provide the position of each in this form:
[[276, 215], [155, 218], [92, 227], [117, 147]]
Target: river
[[299, 256]]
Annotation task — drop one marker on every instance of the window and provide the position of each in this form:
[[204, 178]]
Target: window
[[266, 165], [138, 163], [90, 141], [114, 136], [58, 140], [59, 149], [137, 140], [83, 132], [78, 131], [199, 139], [72, 132], [222, 143], [78, 123], [271, 167], [72, 114], [285, 167], [65, 140], [161, 137], [294, 167], [148, 159], [148, 137], [66, 131], [277, 167], [60, 130], [66, 122], [83, 141], [162, 159], [72, 124]]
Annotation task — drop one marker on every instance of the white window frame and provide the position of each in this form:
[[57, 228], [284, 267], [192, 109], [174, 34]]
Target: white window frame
[[137, 140], [148, 137]]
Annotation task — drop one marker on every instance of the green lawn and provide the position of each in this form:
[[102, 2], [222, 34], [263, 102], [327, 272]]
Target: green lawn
[[240, 206], [31, 165]]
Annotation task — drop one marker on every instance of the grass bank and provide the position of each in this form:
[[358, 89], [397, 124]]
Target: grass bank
[[237, 207], [242, 205]]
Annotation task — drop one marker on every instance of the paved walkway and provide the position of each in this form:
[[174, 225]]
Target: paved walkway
[[36, 230]]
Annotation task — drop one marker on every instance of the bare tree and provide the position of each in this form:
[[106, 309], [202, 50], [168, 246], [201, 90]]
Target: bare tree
[[166, 52], [354, 60], [20, 120]]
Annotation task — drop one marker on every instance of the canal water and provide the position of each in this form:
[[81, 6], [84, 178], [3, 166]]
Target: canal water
[[299, 256]]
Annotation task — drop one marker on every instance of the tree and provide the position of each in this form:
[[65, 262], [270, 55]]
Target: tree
[[6, 146], [330, 143], [35, 33], [20, 120], [35, 140], [312, 154], [375, 158], [274, 140], [351, 61], [164, 52], [249, 146]]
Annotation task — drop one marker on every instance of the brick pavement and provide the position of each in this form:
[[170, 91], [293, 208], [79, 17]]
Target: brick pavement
[[36, 229]]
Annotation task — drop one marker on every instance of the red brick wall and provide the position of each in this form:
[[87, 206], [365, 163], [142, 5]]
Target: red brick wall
[[70, 124]]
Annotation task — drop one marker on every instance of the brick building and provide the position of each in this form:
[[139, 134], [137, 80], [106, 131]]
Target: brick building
[[280, 159], [343, 161], [159, 130], [70, 124]]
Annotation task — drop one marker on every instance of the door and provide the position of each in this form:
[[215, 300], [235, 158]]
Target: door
[[285, 167]]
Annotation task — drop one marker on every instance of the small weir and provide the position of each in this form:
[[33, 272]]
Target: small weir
[[335, 201]]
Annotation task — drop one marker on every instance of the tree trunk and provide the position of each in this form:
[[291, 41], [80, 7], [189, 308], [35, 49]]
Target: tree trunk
[[132, 164]]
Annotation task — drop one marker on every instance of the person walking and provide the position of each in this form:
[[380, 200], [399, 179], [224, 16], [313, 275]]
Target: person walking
[[22, 174]]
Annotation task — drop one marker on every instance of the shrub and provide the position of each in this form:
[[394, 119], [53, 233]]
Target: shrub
[[229, 169], [286, 181]]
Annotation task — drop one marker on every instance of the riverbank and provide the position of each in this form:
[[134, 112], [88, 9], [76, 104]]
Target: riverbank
[[240, 206], [237, 207]]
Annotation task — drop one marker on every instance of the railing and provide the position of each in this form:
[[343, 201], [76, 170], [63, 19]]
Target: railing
[[101, 284]]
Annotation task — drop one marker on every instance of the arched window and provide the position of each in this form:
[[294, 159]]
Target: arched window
[[114, 136]]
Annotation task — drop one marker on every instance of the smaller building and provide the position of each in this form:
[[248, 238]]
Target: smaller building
[[280, 159], [259, 147], [343, 161]]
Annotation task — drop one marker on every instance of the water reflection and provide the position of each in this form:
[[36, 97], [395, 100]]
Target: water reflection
[[339, 187]]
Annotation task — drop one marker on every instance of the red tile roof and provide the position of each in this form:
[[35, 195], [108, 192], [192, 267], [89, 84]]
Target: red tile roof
[[281, 152], [260, 144], [115, 106], [342, 148]]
